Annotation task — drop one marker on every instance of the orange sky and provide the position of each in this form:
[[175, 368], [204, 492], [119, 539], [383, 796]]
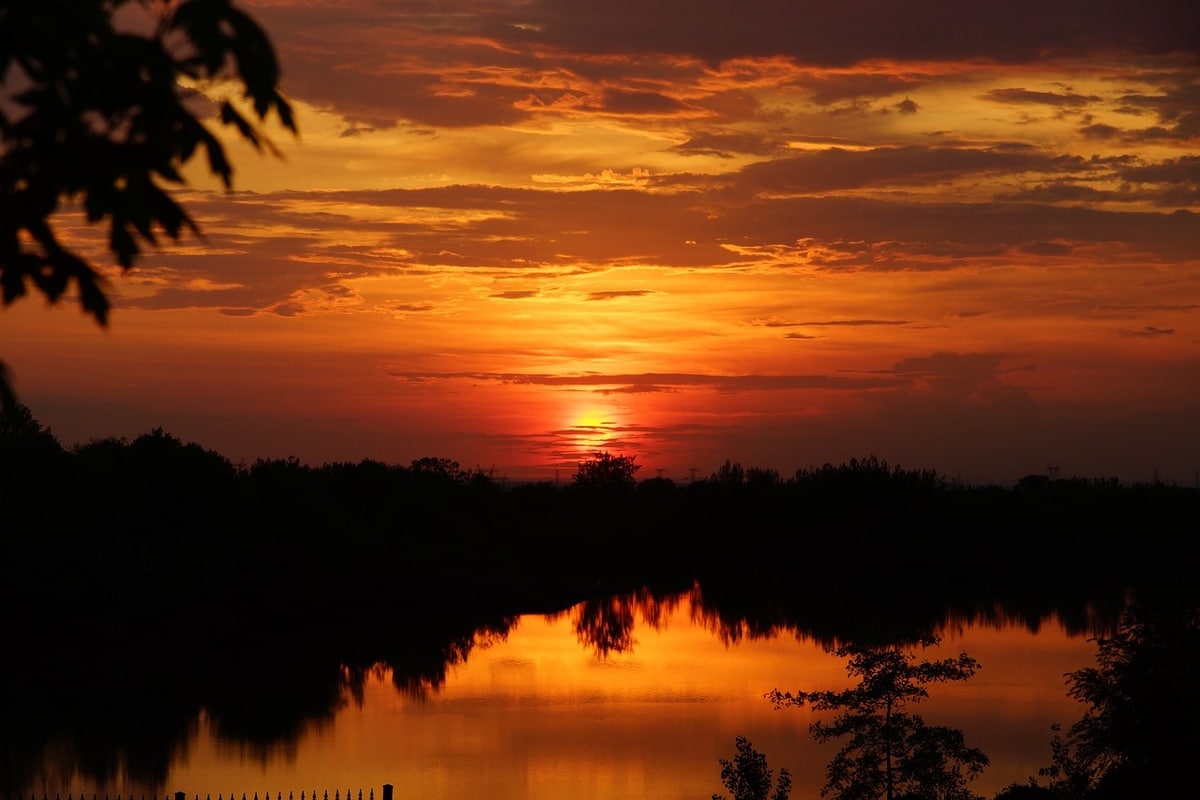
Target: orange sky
[[512, 231]]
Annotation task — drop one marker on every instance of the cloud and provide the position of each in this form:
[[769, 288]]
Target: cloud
[[1182, 170], [504, 63], [515, 294], [956, 379], [1165, 307], [640, 388], [967, 368], [1047, 248], [613, 295], [828, 88], [337, 290], [946, 235], [264, 250], [1023, 96], [853, 323], [356, 130], [838, 169], [657, 382], [1063, 192], [564, 448], [1149, 332], [729, 144], [625, 102], [775, 322], [857, 30], [1175, 108], [289, 309]]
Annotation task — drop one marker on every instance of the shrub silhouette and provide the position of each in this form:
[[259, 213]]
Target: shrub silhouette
[[747, 776], [891, 752]]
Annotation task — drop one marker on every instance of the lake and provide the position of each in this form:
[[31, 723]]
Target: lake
[[564, 706]]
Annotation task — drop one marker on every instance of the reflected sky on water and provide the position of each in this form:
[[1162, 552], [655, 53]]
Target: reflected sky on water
[[540, 714]]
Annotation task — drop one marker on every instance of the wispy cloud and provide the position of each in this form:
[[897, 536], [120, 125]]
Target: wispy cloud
[[830, 323], [1021, 96], [658, 382], [515, 294], [1149, 332], [617, 294]]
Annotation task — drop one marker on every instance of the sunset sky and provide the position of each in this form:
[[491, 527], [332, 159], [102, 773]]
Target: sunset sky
[[955, 235]]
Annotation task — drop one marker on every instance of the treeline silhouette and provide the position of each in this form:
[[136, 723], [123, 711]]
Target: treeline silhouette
[[91, 532], [144, 580]]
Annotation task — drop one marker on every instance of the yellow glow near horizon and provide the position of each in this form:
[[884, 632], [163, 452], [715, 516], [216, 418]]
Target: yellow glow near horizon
[[592, 430]]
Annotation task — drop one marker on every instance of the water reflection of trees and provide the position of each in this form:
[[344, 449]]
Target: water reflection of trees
[[172, 582], [831, 621], [606, 624], [124, 720], [419, 665], [120, 718], [1142, 718]]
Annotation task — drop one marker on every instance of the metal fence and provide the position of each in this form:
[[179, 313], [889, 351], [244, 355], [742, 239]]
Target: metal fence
[[337, 794]]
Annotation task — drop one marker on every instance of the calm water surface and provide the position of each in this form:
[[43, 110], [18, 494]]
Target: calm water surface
[[542, 715]]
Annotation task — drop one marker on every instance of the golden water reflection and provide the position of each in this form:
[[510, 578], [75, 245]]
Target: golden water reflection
[[537, 715]]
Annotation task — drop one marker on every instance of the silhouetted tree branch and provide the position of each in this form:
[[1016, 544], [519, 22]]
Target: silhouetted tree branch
[[101, 108]]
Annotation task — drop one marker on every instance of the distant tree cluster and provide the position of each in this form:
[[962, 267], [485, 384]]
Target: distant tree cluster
[[606, 472], [157, 511]]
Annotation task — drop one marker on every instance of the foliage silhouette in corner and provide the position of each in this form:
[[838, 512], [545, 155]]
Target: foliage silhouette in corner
[[1139, 733], [102, 112]]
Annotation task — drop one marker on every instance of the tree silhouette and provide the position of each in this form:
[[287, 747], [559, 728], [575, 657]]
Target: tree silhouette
[[748, 778], [891, 753], [102, 106], [32, 467], [1142, 725], [729, 474], [606, 624], [605, 471], [22, 437]]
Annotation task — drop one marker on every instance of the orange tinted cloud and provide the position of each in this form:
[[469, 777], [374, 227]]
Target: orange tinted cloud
[[963, 238]]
